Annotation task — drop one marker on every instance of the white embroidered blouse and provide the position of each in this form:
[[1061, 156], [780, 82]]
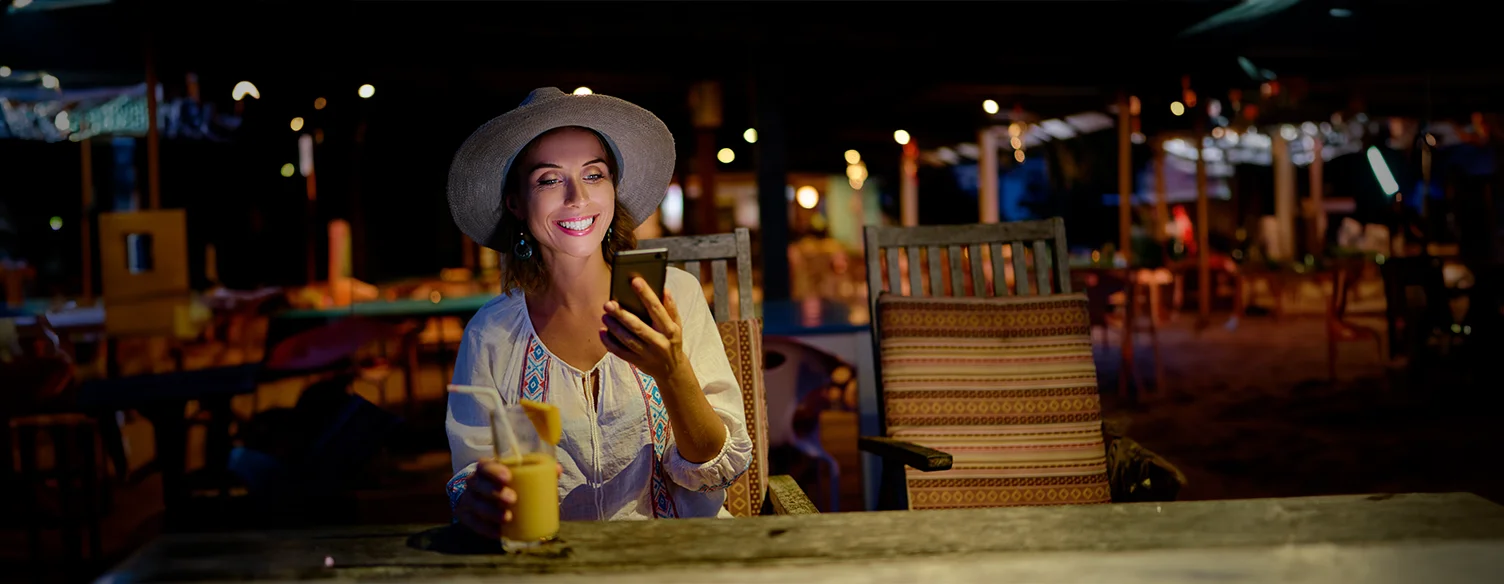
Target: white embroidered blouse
[[619, 457]]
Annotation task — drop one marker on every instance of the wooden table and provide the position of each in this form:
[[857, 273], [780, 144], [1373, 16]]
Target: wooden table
[[1379, 538]]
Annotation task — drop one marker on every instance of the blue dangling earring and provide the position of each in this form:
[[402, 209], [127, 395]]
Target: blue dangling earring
[[522, 250], [609, 232]]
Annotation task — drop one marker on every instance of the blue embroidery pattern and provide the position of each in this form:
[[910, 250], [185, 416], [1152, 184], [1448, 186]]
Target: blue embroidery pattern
[[658, 425], [456, 487], [535, 372]]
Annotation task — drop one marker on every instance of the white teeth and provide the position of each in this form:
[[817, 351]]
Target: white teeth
[[579, 225]]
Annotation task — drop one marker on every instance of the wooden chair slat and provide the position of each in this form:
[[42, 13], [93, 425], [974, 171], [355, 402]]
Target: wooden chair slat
[[1020, 268], [978, 283], [1042, 267], [916, 284], [722, 304], [999, 274], [937, 282], [957, 268]]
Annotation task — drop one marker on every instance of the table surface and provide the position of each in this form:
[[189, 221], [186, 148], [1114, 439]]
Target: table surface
[[1360, 538]]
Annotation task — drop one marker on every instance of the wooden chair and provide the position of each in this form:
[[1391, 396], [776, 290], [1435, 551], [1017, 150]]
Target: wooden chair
[[756, 492], [1033, 255]]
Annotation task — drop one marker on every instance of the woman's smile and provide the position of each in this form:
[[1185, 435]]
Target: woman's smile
[[577, 226]]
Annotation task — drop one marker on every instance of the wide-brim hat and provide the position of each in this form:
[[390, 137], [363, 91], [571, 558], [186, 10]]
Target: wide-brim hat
[[640, 142]]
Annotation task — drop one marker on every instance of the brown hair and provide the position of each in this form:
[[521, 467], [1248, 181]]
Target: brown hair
[[531, 275]]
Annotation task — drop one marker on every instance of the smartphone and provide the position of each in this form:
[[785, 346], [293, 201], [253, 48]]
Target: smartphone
[[649, 264]]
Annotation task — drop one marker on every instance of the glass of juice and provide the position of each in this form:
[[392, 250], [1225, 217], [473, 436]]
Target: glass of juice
[[535, 478]]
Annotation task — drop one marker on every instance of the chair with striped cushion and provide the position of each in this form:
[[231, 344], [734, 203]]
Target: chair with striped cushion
[[977, 363], [756, 492]]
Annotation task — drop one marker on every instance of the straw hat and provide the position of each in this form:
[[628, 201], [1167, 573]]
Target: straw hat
[[641, 143]]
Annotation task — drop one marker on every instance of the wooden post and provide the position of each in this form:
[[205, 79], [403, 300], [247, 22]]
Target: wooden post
[[703, 210], [1161, 194], [1318, 195], [1425, 176], [987, 176], [1284, 198], [305, 161], [705, 101], [1125, 179], [771, 159], [1203, 227], [86, 223], [1125, 239], [153, 161], [908, 187]]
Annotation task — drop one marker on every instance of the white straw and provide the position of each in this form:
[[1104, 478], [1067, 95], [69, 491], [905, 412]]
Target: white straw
[[498, 418]]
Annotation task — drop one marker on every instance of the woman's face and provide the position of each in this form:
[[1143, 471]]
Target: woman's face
[[569, 193]]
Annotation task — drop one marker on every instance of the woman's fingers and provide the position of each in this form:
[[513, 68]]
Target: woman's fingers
[[671, 307], [660, 316], [629, 321], [495, 472], [482, 508], [624, 334], [613, 342]]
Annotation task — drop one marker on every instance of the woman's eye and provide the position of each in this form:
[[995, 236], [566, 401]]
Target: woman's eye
[[594, 176], [543, 182]]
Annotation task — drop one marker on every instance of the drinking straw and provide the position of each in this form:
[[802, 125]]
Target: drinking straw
[[497, 418]]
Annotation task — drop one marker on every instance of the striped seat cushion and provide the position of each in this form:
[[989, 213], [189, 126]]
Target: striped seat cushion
[[1007, 386], [743, 340]]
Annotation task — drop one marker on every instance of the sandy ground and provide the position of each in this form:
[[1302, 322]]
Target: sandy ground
[[1251, 412]]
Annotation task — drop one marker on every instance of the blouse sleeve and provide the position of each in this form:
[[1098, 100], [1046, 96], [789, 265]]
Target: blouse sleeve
[[466, 422], [707, 355]]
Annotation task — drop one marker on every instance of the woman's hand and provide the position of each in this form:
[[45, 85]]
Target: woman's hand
[[487, 501], [657, 350]]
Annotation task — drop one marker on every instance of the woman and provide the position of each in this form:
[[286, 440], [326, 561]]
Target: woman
[[653, 420]]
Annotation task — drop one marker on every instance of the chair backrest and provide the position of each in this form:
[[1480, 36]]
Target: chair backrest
[[689, 253], [978, 253], [742, 337]]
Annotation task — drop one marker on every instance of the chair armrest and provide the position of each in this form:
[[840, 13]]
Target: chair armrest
[[786, 498], [1137, 474], [908, 453]]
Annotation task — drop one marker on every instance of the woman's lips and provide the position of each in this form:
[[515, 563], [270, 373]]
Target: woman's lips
[[577, 226]]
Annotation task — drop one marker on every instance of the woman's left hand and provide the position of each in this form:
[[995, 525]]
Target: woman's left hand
[[657, 349]]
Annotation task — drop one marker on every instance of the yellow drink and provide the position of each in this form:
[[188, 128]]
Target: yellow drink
[[535, 515]]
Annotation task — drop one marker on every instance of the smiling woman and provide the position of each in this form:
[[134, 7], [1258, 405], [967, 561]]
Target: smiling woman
[[651, 413]]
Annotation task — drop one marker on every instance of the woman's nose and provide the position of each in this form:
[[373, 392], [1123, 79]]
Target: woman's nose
[[575, 194]]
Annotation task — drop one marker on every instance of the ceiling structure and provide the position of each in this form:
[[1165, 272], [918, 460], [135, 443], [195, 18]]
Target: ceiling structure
[[852, 73]]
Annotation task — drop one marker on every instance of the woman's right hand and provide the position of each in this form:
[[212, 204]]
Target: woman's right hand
[[487, 501]]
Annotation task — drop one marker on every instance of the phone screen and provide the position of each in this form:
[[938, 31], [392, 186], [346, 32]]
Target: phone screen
[[651, 265]]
